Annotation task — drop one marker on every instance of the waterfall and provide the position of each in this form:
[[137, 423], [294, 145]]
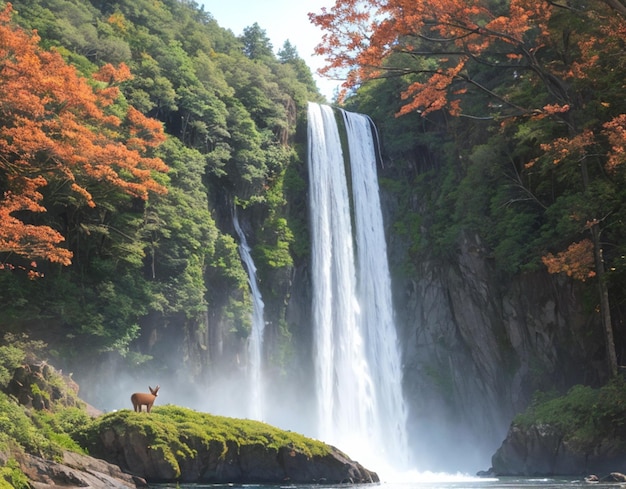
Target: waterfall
[[255, 341], [357, 361]]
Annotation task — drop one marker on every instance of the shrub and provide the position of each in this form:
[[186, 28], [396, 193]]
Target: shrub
[[584, 416], [12, 477]]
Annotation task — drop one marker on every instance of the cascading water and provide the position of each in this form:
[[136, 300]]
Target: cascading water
[[357, 363], [255, 341]]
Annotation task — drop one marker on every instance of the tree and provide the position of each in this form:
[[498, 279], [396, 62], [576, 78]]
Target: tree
[[538, 69], [288, 55], [256, 44], [457, 36], [61, 134]]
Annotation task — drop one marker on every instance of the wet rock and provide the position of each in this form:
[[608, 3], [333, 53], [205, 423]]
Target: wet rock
[[542, 450]]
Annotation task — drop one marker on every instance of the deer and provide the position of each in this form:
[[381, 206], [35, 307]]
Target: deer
[[140, 399]]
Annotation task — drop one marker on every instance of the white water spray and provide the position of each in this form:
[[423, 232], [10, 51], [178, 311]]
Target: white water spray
[[358, 376], [255, 341]]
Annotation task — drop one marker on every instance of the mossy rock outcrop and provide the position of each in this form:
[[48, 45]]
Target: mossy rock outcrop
[[580, 433], [177, 444], [50, 437], [40, 386]]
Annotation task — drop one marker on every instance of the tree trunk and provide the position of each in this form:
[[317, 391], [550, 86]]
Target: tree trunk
[[605, 309], [617, 6]]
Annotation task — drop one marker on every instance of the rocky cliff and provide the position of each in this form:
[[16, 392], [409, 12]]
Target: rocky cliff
[[543, 450], [478, 345]]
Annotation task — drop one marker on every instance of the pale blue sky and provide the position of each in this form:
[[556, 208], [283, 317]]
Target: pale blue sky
[[281, 20]]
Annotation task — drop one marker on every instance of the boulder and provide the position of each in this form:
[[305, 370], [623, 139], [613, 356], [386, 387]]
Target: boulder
[[541, 450], [76, 470], [210, 463]]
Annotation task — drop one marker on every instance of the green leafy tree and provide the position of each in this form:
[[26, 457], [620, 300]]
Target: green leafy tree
[[256, 44]]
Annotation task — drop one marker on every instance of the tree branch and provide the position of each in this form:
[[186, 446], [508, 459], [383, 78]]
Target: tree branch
[[618, 6]]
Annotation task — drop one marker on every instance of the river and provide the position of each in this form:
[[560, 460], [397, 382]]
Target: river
[[424, 481]]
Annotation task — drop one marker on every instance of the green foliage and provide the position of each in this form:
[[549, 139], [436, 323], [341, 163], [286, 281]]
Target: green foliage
[[11, 357], [584, 416], [16, 426], [276, 255], [12, 477], [303, 86], [61, 425], [408, 224], [256, 44], [42, 432], [230, 108], [13, 352], [274, 250], [227, 269], [295, 191]]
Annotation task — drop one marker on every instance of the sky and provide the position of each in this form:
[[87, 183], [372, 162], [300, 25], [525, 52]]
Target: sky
[[281, 20]]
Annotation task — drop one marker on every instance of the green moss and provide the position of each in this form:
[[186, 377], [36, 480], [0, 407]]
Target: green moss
[[241, 431], [178, 433]]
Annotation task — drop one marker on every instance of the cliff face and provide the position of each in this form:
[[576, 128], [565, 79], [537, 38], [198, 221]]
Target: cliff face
[[542, 450], [476, 348]]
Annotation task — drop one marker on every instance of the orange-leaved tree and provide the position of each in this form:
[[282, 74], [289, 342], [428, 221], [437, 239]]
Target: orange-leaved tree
[[551, 69], [57, 132], [361, 36]]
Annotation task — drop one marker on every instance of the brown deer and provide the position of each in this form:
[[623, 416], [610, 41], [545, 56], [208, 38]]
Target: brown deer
[[140, 399]]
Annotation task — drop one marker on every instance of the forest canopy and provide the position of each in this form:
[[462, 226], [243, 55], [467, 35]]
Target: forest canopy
[[123, 125]]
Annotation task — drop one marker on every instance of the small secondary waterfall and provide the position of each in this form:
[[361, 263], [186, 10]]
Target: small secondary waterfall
[[357, 362], [255, 341]]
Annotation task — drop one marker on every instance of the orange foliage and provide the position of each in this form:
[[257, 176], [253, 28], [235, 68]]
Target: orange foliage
[[26, 239], [361, 34], [577, 261], [615, 130], [54, 128], [575, 146], [431, 96]]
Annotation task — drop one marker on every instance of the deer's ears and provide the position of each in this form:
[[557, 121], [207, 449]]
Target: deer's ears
[[155, 390]]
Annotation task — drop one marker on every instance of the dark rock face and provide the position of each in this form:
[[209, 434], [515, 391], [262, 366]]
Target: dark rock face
[[237, 464], [32, 387], [542, 451], [476, 348]]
